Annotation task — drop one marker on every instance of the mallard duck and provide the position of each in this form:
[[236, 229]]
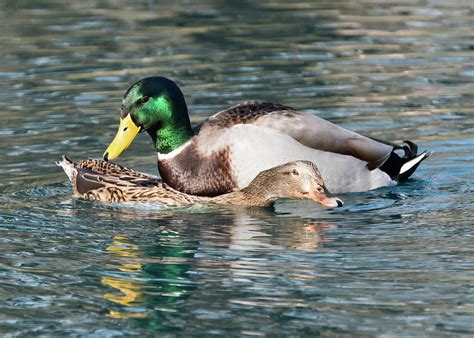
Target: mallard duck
[[109, 182], [228, 150]]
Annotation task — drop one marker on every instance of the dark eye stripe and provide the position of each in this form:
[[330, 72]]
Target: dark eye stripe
[[141, 101]]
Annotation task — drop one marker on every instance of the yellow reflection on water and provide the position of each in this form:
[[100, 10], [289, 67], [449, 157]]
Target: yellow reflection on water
[[130, 290]]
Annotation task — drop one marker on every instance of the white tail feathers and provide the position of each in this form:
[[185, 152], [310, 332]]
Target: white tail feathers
[[68, 168], [410, 164]]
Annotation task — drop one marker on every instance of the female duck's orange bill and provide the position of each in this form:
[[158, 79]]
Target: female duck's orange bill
[[324, 199]]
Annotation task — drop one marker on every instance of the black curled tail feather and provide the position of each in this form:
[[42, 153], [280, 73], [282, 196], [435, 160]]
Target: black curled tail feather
[[411, 149], [400, 168]]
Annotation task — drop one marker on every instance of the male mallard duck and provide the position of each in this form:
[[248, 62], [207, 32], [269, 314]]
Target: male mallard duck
[[109, 182], [229, 149]]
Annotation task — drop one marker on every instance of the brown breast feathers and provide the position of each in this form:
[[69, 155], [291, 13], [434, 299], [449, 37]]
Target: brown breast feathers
[[194, 174]]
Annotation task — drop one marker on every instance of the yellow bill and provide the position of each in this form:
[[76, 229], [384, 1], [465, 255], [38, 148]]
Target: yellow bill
[[127, 131]]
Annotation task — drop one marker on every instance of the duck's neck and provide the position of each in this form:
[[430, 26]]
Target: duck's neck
[[173, 131], [259, 192], [242, 198]]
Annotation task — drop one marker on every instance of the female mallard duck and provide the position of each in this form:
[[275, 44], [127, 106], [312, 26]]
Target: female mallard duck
[[229, 149], [109, 182]]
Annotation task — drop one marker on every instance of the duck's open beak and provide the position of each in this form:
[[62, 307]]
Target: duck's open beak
[[127, 131], [325, 199]]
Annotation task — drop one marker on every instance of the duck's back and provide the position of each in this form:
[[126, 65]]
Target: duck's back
[[247, 112], [307, 129]]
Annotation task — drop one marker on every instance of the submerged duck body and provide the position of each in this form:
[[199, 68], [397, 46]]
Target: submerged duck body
[[109, 182], [228, 150]]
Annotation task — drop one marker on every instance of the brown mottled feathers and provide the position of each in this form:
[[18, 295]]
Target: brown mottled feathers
[[109, 168], [246, 112], [107, 184], [116, 171]]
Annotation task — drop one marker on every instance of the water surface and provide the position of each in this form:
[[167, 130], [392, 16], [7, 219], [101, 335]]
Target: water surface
[[394, 261]]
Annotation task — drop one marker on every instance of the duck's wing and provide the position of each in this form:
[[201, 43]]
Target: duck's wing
[[113, 170], [103, 180], [313, 132], [95, 186], [107, 182], [92, 186], [317, 133], [110, 171], [89, 184]]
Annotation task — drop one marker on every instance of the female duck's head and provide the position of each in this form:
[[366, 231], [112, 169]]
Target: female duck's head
[[155, 105], [295, 180]]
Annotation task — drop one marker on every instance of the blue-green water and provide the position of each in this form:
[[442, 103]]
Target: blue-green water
[[394, 261]]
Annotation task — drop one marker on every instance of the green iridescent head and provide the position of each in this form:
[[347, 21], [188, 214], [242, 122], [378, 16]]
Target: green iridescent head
[[155, 105]]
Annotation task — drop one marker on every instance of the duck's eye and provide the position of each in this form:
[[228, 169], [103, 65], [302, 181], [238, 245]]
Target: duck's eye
[[295, 172], [320, 189], [142, 100]]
